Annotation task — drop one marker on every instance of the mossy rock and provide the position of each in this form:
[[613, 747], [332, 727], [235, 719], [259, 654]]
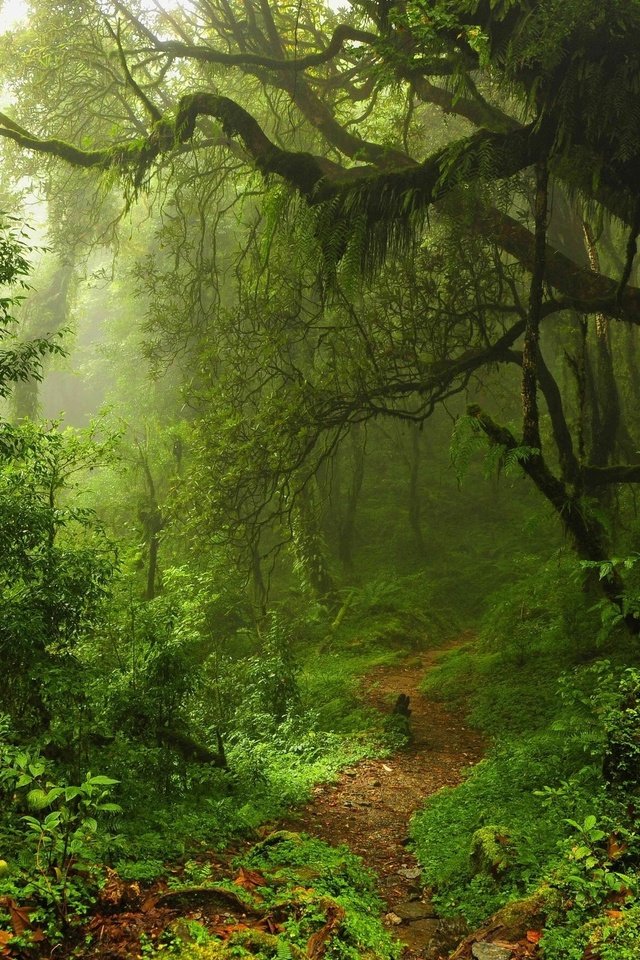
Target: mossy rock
[[512, 921], [274, 839], [492, 851], [527, 914], [306, 875], [264, 944]]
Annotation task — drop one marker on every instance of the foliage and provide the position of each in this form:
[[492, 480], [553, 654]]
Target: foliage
[[58, 845], [20, 359], [563, 727], [335, 875], [55, 571], [622, 747], [286, 324]]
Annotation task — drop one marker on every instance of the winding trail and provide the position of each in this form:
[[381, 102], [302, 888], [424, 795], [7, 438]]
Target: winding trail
[[370, 807]]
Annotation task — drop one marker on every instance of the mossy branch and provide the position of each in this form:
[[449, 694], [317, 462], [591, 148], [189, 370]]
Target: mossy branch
[[390, 206]]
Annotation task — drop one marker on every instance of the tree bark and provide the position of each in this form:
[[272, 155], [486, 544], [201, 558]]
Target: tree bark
[[348, 519], [415, 502]]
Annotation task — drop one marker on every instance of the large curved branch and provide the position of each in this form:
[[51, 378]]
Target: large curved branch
[[581, 289], [435, 379], [53, 147], [380, 197]]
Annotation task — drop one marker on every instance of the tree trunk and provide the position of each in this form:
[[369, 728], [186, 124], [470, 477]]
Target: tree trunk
[[309, 546], [45, 313], [415, 502], [348, 515], [606, 399]]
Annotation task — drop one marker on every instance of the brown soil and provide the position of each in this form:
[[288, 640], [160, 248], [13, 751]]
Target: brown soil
[[370, 807]]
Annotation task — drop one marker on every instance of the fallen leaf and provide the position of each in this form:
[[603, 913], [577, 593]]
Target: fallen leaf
[[534, 936], [615, 847], [249, 879], [614, 914], [19, 917], [224, 931], [316, 945]]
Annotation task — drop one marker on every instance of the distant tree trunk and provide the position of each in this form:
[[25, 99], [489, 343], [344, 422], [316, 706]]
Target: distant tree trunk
[[45, 313], [152, 571], [25, 399], [632, 363], [152, 522], [415, 502], [348, 516], [308, 544], [257, 579]]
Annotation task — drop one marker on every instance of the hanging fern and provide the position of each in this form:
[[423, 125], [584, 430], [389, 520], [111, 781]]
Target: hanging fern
[[467, 438]]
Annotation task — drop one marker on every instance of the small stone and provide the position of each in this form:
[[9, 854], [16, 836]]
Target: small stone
[[410, 873], [350, 773], [490, 951], [422, 935], [415, 910]]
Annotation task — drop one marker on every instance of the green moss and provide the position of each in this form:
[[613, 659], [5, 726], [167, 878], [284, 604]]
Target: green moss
[[491, 850]]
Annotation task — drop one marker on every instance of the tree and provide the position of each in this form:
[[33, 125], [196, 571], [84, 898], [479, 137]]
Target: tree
[[549, 92], [50, 585]]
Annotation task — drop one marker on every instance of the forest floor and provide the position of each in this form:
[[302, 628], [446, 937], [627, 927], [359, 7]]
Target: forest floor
[[370, 807]]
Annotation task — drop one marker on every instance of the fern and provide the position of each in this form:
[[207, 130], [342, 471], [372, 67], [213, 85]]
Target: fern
[[283, 950], [467, 438]]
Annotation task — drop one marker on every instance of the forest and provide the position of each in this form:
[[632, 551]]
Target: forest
[[319, 467]]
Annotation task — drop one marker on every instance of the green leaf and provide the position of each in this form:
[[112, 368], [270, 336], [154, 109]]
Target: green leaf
[[37, 799], [579, 853]]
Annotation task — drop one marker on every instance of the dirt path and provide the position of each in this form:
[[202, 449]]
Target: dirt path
[[369, 809]]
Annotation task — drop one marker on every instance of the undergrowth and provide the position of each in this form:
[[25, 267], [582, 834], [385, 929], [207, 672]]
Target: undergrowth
[[318, 898], [545, 683]]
